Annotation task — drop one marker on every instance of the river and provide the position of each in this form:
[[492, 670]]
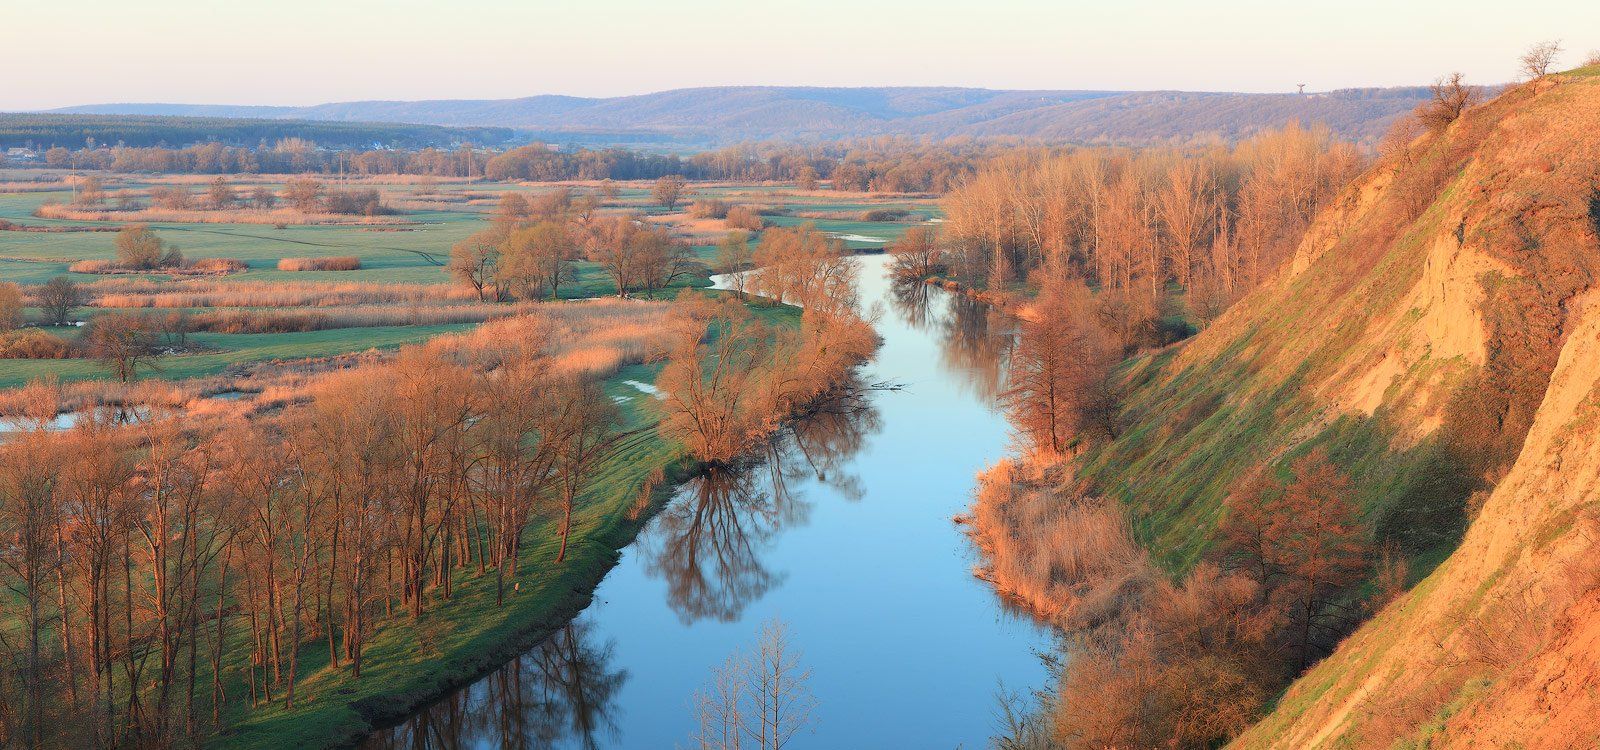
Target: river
[[843, 533]]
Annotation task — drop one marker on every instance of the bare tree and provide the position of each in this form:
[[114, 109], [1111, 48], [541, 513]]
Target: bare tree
[[733, 259], [778, 683], [474, 261], [918, 254], [303, 193], [122, 342], [763, 697], [58, 298], [669, 190], [538, 257], [221, 194], [1537, 60], [11, 305], [264, 198], [1592, 59], [1451, 97]]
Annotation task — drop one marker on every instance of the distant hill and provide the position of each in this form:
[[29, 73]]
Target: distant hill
[[148, 128], [741, 113]]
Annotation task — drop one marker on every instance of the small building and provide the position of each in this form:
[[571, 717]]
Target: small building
[[20, 154]]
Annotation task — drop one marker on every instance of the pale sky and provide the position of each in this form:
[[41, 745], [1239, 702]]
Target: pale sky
[[57, 53]]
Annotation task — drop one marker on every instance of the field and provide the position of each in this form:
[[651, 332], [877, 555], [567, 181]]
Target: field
[[413, 248]]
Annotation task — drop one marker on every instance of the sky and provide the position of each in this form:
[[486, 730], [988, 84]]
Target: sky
[[57, 53]]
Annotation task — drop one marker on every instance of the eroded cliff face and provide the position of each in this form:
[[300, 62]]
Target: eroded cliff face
[[1497, 330]]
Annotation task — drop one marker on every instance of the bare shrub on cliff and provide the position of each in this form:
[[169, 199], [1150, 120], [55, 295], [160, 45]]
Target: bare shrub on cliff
[[1451, 97]]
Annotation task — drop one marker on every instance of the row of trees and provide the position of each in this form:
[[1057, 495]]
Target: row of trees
[[531, 246], [1213, 221], [303, 194], [884, 164], [162, 572]]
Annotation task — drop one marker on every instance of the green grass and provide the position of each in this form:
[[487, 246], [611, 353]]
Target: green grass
[[232, 349]]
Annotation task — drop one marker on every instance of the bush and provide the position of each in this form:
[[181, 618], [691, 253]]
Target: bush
[[335, 263], [885, 214], [33, 344], [364, 202], [94, 266], [218, 265], [709, 209], [745, 217]]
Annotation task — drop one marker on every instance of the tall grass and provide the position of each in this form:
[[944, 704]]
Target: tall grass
[[593, 337], [1067, 558], [199, 293], [231, 216], [332, 263], [227, 320]]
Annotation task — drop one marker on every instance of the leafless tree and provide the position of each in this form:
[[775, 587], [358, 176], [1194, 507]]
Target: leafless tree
[[1451, 97], [669, 190], [122, 342], [1537, 60], [58, 298]]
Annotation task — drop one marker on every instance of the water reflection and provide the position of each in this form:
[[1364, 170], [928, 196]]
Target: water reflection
[[561, 693], [975, 340], [707, 545], [976, 343]]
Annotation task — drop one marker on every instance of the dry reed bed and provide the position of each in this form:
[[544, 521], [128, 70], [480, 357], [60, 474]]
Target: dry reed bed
[[1069, 559], [135, 293], [196, 267], [591, 337], [330, 263], [232, 320], [234, 216]]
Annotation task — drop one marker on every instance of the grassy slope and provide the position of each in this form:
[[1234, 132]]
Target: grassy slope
[[1417, 675], [1246, 393]]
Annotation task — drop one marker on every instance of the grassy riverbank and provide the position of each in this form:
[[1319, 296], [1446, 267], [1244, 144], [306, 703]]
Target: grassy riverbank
[[411, 663]]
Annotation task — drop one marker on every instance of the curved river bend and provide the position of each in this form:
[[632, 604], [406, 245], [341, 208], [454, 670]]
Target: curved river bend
[[844, 534]]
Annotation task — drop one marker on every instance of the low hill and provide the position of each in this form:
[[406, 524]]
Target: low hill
[[1438, 334], [740, 113], [44, 130]]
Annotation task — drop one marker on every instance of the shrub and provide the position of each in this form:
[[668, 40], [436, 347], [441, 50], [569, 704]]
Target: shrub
[[218, 265], [709, 208], [334, 263], [745, 217], [885, 214], [94, 266], [364, 202], [33, 343]]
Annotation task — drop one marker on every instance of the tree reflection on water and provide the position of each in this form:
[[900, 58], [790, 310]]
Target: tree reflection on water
[[561, 693], [708, 543]]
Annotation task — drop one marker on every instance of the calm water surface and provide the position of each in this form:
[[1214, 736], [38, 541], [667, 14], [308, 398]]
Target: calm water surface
[[843, 532]]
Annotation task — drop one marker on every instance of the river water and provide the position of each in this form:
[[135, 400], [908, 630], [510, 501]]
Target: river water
[[843, 533]]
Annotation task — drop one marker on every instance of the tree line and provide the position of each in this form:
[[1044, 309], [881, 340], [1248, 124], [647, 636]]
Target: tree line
[[529, 249], [1214, 222], [884, 165]]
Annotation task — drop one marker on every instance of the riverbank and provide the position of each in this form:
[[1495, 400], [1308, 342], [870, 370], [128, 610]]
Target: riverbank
[[409, 665]]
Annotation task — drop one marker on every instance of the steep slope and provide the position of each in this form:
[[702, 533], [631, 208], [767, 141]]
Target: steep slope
[[1412, 338], [1438, 334], [734, 113], [1500, 646]]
